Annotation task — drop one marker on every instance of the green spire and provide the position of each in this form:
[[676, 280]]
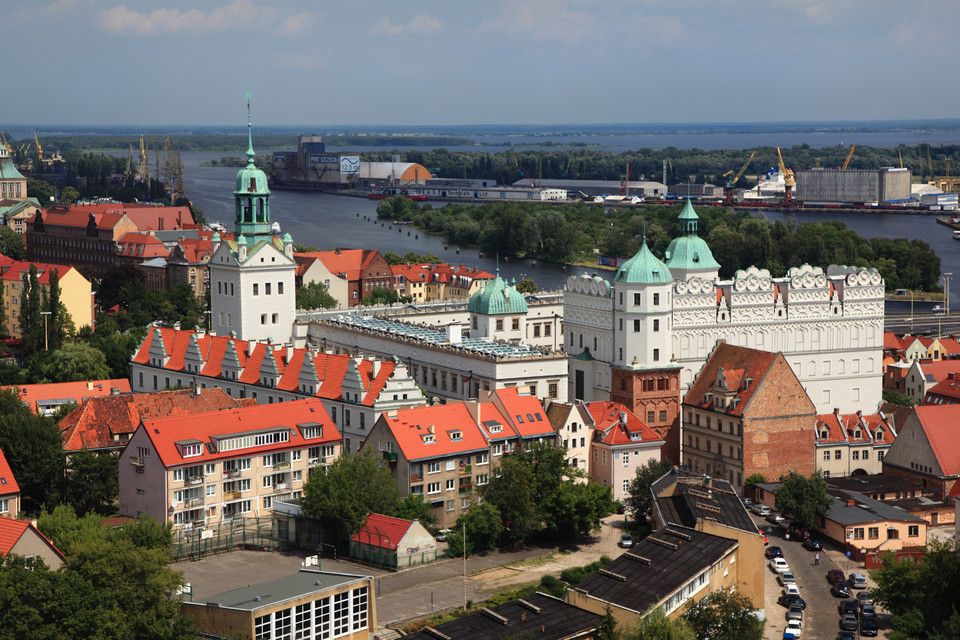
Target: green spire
[[250, 152], [688, 218]]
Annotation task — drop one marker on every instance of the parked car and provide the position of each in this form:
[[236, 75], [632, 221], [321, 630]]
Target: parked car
[[865, 597], [848, 622], [626, 541], [786, 578], [846, 635], [763, 511], [779, 565], [835, 575], [791, 589], [792, 600], [868, 627], [747, 502], [442, 534], [840, 590], [795, 613], [793, 631], [774, 518], [858, 581], [773, 552], [848, 607], [812, 544], [867, 611]]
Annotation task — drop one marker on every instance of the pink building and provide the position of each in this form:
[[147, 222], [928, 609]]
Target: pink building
[[621, 444]]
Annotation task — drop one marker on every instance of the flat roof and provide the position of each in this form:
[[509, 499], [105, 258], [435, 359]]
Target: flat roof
[[266, 594], [696, 497], [873, 483]]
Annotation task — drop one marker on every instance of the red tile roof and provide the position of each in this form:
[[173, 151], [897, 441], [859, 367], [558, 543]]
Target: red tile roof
[[843, 428], [441, 272], [146, 217], [382, 531], [606, 418], [142, 245], [951, 346], [76, 392], [8, 484], [78, 216], [737, 364], [939, 370], [165, 433], [524, 412], [892, 342], [12, 530], [947, 391], [345, 262], [939, 423], [14, 269], [108, 422], [149, 218]]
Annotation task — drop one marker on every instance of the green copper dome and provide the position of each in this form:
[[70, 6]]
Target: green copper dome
[[497, 298], [690, 251], [252, 195], [644, 268]]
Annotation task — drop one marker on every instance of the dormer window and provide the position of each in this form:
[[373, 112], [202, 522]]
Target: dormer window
[[823, 435], [456, 435], [191, 449], [879, 435], [856, 434], [428, 438]]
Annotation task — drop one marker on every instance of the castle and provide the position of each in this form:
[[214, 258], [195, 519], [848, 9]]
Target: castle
[[644, 338]]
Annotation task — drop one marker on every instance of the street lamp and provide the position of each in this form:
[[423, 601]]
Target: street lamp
[[946, 293], [46, 343]]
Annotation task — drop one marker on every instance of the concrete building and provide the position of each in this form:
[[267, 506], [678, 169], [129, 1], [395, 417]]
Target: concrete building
[[391, 542], [9, 490], [354, 390], [252, 278], [308, 604], [76, 292], [853, 443], [22, 538], [447, 191], [745, 414], [642, 188], [856, 186], [350, 275], [45, 399], [438, 282], [642, 339], [204, 469], [695, 190], [622, 443], [927, 450]]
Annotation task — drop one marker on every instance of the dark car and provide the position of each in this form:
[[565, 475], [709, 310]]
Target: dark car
[[792, 600], [848, 622], [835, 575], [812, 544], [840, 590], [865, 597], [848, 608], [846, 635], [773, 552], [868, 627], [868, 611]]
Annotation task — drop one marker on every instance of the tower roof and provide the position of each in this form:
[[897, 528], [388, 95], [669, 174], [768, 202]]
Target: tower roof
[[497, 298], [689, 251], [688, 213], [644, 268], [250, 179]]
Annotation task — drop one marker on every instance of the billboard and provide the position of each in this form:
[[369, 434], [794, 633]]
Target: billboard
[[349, 165], [323, 158]]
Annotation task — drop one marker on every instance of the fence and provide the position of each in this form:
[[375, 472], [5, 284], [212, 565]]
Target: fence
[[238, 533]]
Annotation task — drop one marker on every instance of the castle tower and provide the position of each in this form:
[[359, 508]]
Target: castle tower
[[643, 375], [252, 195], [688, 254]]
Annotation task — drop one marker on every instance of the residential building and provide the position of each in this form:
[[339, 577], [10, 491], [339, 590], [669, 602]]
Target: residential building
[[747, 413], [208, 468], [914, 378], [642, 338], [879, 486], [354, 390], [391, 542], [922, 348], [252, 277], [362, 270], [713, 506], [852, 443], [46, 399], [76, 292], [443, 362], [106, 423], [443, 452], [188, 262], [893, 345], [307, 604], [622, 443], [15, 213], [22, 538], [926, 450], [13, 185], [669, 569], [538, 616], [9, 490], [438, 282], [574, 427], [946, 391]]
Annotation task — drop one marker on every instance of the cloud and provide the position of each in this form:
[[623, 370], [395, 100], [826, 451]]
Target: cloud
[[419, 25], [235, 16], [545, 20], [297, 25]]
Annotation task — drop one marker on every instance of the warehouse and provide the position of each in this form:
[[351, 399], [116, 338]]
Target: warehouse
[[857, 186], [646, 188]]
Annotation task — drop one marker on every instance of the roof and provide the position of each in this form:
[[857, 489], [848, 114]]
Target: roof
[[497, 298], [106, 215], [141, 245], [684, 499], [538, 616], [853, 428], [8, 169], [939, 423], [346, 263], [874, 483], [644, 268], [267, 594], [619, 425], [864, 509], [14, 269], [892, 342], [402, 171], [729, 369], [947, 389], [690, 251], [36, 395], [208, 428], [656, 567], [12, 530], [382, 531], [8, 484], [460, 275], [107, 422], [935, 371]]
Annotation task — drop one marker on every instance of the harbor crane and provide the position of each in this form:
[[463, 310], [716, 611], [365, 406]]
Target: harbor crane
[[789, 180], [846, 161], [732, 182], [36, 140]]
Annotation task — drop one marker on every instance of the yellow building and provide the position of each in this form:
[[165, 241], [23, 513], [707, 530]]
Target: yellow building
[[76, 293]]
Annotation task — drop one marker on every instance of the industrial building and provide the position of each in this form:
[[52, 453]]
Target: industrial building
[[485, 190], [858, 186], [696, 190], [645, 188]]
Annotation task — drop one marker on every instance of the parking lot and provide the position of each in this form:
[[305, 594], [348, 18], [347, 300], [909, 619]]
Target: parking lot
[[821, 620]]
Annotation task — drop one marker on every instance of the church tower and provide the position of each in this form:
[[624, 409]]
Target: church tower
[[252, 195]]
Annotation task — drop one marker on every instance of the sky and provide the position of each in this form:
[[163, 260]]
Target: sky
[[440, 62]]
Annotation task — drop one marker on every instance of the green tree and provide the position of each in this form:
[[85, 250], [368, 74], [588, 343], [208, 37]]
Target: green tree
[[656, 626], [31, 321], [11, 244], [353, 487], [383, 295], [754, 479], [575, 509], [91, 482], [54, 327], [315, 295], [724, 615], [69, 195], [413, 507], [33, 447], [4, 330], [607, 627], [802, 498], [41, 190], [527, 285], [890, 395], [75, 362], [639, 499], [483, 528]]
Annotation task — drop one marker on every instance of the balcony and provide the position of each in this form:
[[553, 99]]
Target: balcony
[[415, 478], [280, 486], [390, 456], [232, 495], [466, 469], [279, 466], [193, 502], [231, 473], [195, 480]]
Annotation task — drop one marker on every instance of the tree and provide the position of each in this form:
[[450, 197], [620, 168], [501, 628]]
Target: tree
[[315, 295], [11, 244], [381, 295], [69, 195], [527, 285], [4, 330], [656, 626], [34, 449], [75, 362], [41, 190], [54, 329], [353, 487], [724, 615], [802, 499], [90, 484], [483, 528], [890, 395], [413, 507], [606, 627], [640, 500], [575, 509], [31, 322]]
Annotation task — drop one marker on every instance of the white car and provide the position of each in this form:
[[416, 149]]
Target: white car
[[794, 630], [779, 565], [786, 578], [791, 589], [763, 511]]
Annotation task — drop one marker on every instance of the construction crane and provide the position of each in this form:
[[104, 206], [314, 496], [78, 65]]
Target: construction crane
[[732, 182], [36, 140], [789, 180], [846, 161]]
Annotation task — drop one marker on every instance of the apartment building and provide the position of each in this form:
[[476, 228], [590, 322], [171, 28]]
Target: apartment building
[[45, 399], [433, 282], [203, 469], [9, 490], [747, 413], [350, 275], [574, 427], [22, 538], [76, 292], [622, 443], [444, 452], [354, 390], [852, 444]]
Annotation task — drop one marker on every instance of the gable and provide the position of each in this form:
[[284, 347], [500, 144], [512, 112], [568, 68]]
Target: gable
[[778, 388], [912, 449], [266, 254]]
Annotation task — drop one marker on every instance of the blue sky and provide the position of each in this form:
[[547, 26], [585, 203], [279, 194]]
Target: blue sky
[[466, 61]]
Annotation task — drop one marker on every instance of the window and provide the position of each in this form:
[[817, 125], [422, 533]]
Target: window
[[266, 288], [663, 416], [482, 478], [656, 299], [451, 505], [636, 326], [826, 455], [856, 455], [360, 600], [281, 624], [451, 465], [261, 628], [913, 531], [210, 468], [636, 298], [482, 458], [656, 355], [301, 620], [858, 533], [626, 486], [275, 318], [497, 449], [433, 467], [321, 618], [837, 454], [190, 450], [656, 325], [211, 489], [341, 613], [280, 288], [515, 324], [263, 318], [178, 475], [256, 289], [433, 487], [451, 485], [873, 533], [650, 416], [499, 325]]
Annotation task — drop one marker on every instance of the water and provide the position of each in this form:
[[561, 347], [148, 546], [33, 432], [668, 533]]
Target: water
[[328, 221]]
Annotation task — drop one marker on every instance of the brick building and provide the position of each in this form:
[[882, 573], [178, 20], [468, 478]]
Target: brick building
[[927, 450], [747, 413], [362, 270]]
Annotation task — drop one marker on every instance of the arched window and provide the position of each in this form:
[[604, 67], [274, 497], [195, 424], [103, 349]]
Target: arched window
[[260, 216]]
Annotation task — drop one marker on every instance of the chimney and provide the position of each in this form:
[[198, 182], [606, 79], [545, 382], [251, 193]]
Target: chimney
[[89, 386], [431, 429], [196, 389], [251, 345], [851, 502], [454, 333], [623, 418], [374, 367], [836, 411], [288, 353]]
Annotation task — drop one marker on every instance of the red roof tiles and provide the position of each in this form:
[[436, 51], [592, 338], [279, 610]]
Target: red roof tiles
[[939, 423], [382, 531], [106, 215], [606, 416], [346, 262], [8, 484], [12, 530], [76, 392], [14, 269], [742, 370], [142, 245], [845, 427], [891, 342]]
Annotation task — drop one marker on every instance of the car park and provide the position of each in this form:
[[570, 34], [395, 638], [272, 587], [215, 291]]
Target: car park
[[786, 578], [779, 565], [794, 630], [848, 607], [857, 581], [868, 627], [791, 589], [835, 575], [626, 541], [793, 600], [840, 590], [773, 552], [763, 511], [848, 622], [812, 544], [868, 611]]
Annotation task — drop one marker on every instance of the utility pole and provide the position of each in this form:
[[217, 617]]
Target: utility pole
[[946, 293]]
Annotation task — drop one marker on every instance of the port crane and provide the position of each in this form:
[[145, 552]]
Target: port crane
[[846, 161], [36, 140], [732, 182], [789, 180]]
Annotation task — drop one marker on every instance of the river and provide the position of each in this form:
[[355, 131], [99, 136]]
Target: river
[[328, 221]]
